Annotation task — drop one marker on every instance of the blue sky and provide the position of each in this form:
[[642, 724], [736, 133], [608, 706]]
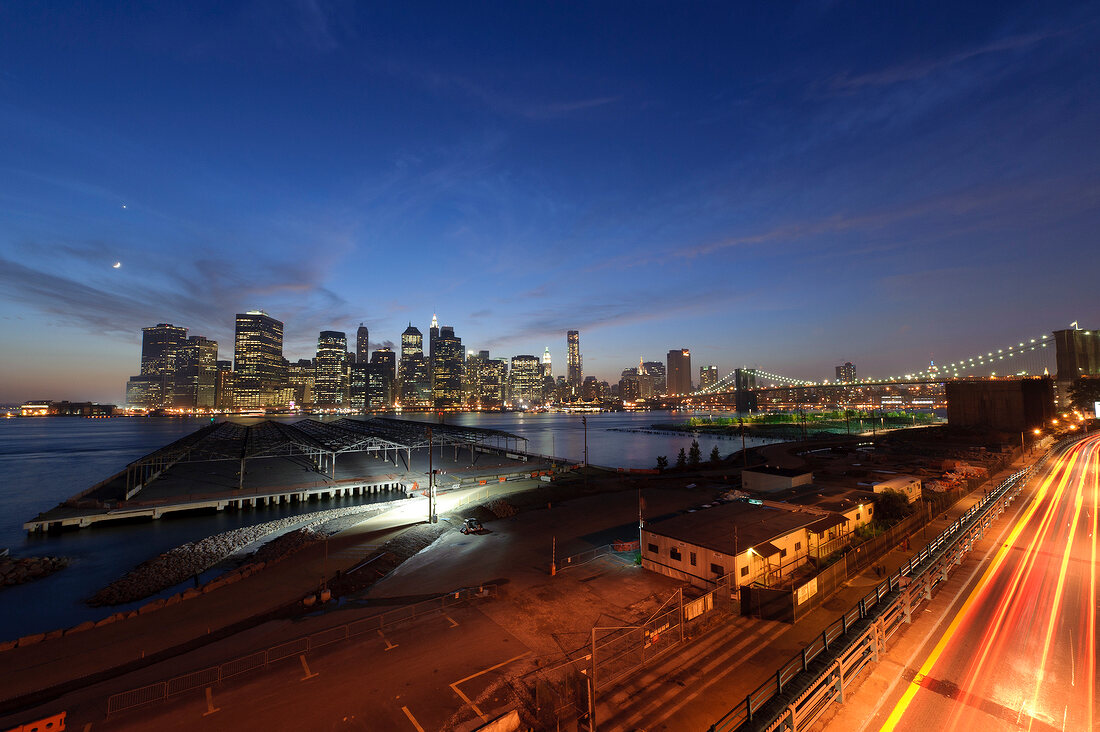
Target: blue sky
[[787, 185]]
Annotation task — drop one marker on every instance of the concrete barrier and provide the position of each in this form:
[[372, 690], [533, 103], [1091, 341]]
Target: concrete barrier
[[86, 625], [7, 645], [30, 640]]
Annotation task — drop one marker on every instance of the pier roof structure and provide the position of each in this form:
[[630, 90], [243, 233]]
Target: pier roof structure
[[320, 442]]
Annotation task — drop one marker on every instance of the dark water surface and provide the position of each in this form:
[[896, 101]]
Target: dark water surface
[[45, 460]]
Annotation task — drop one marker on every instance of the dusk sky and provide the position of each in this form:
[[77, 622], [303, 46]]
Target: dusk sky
[[787, 185]]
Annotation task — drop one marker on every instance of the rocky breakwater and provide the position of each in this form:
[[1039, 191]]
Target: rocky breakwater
[[184, 562], [15, 571]]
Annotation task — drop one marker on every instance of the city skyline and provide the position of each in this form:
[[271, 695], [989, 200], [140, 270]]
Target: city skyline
[[794, 188]]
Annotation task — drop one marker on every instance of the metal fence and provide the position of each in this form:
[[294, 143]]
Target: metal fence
[[205, 677], [859, 636]]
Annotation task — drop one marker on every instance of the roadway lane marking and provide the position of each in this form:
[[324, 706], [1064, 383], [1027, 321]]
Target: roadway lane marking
[[452, 621], [386, 641], [210, 708], [412, 719], [466, 699], [305, 667]]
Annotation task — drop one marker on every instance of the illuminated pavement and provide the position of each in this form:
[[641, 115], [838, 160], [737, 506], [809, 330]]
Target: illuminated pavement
[[1020, 653]]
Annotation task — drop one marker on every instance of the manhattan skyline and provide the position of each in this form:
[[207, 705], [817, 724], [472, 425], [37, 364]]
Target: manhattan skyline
[[791, 187]]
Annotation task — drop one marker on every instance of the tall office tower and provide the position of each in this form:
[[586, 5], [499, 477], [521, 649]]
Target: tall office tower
[[159, 344], [362, 344], [223, 385], [330, 382], [386, 360], [846, 374], [574, 373], [628, 385], [547, 366], [678, 375], [359, 385], [447, 369], [153, 387], [525, 381], [301, 378], [708, 377], [590, 389], [379, 394], [195, 374], [416, 380], [656, 371], [259, 373], [471, 377], [645, 382], [433, 336]]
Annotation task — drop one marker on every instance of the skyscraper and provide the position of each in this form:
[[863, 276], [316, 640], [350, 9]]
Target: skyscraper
[[382, 387], [846, 374], [656, 371], [416, 388], [362, 344], [159, 344], [526, 381], [331, 384], [708, 376], [574, 373], [547, 366], [433, 336], [195, 374], [154, 387], [678, 375], [258, 365], [447, 369]]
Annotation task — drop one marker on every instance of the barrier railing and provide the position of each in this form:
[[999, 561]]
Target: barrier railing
[[162, 690], [930, 566]]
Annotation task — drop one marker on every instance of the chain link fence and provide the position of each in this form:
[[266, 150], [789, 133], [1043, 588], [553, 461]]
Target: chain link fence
[[162, 690]]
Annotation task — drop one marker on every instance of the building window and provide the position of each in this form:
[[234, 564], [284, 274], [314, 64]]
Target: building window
[[798, 546], [717, 569], [858, 516], [782, 553], [870, 510], [744, 571], [674, 553], [691, 558], [653, 549]]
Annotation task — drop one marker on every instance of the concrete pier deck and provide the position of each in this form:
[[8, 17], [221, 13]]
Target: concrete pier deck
[[213, 486]]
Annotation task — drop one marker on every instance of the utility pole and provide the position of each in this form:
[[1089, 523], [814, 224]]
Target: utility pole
[[744, 453], [431, 482], [584, 421]]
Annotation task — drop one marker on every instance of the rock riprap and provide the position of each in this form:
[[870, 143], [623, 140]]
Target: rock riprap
[[16, 571], [183, 562]]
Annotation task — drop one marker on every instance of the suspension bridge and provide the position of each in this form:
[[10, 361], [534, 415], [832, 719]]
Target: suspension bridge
[[750, 388]]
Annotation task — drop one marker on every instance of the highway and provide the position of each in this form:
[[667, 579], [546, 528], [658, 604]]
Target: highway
[[1020, 653]]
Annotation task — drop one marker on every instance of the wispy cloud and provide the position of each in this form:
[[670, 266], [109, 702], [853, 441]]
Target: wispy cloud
[[922, 68]]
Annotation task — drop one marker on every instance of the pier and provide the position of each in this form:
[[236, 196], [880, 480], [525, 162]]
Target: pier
[[229, 466]]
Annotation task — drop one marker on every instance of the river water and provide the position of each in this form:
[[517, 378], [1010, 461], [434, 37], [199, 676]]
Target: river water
[[45, 460]]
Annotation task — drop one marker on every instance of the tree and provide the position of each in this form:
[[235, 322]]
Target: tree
[[681, 459], [1084, 393], [694, 454], [891, 507], [715, 456], [662, 463]]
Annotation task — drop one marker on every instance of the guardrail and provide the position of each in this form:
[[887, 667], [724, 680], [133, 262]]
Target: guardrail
[[832, 661], [202, 678]]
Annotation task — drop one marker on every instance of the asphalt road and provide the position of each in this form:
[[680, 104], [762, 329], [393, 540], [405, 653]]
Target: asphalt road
[[1021, 651]]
